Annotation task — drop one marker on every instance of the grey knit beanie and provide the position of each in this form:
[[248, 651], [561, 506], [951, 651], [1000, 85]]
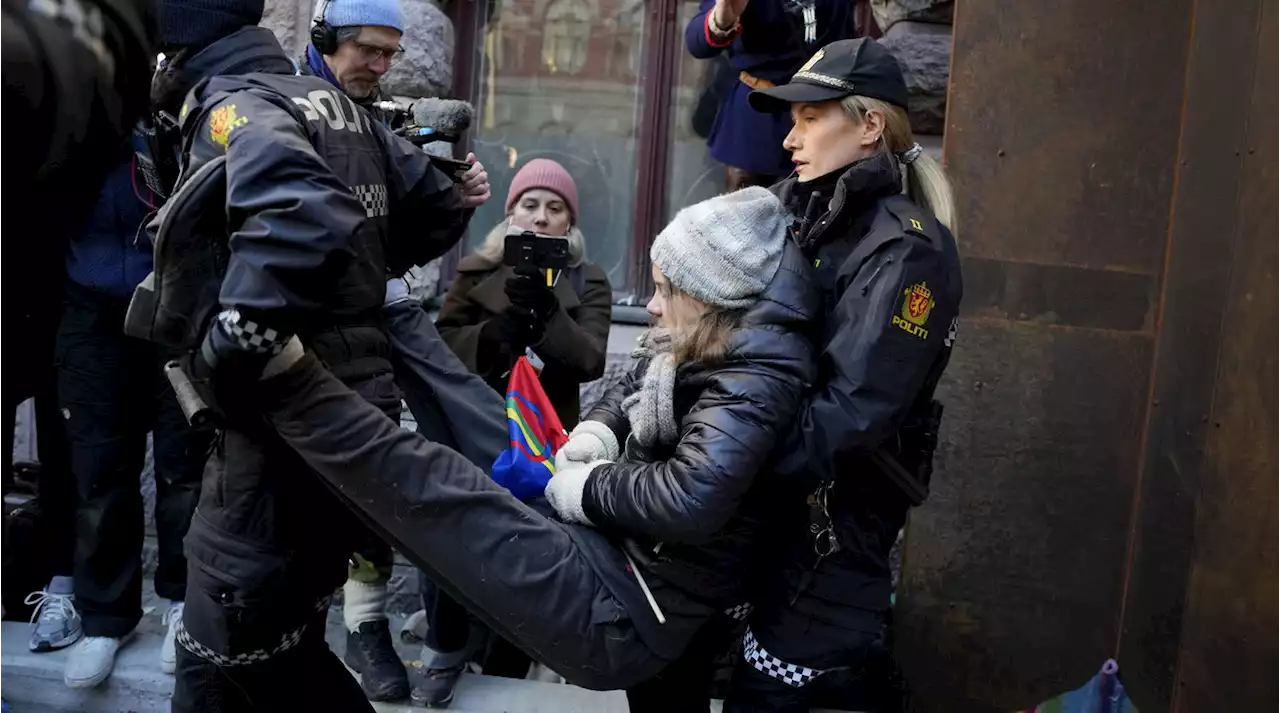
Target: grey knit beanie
[[725, 250]]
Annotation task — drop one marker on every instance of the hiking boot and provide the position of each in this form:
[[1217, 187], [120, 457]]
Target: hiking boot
[[435, 688], [55, 623], [371, 654]]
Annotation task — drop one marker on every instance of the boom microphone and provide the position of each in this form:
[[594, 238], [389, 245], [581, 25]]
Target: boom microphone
[[450, 117]]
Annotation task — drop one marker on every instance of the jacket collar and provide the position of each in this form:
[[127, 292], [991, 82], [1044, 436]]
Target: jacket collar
[[860, 186], [245, 51]]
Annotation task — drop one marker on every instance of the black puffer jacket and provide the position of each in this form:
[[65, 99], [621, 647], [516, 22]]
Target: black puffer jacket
[[692, 511]]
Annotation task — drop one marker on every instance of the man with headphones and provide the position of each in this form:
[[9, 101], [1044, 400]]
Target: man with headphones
[[353, 43]]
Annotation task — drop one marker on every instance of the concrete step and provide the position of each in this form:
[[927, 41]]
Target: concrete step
[[32, 683]]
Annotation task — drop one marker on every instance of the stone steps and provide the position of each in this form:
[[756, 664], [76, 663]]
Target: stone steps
[[32, 683]]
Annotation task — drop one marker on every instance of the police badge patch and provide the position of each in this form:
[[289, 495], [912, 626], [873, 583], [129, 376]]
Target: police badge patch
[[917, 303], [222, 121]]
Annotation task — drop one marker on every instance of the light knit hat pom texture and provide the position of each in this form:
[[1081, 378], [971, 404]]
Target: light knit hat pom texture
[[725, 250]]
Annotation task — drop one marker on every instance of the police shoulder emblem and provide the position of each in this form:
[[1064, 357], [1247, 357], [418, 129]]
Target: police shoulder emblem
[[917, 303], [812, 61], [222, 121]]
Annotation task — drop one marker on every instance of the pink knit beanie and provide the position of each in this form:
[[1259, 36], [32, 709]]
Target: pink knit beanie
[[547, 174]]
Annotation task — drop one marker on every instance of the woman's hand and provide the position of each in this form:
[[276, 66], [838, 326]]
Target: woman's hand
[[726, 13], [528, 290]]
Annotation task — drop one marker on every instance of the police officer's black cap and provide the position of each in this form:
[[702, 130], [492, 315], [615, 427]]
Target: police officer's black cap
[[861, 66]]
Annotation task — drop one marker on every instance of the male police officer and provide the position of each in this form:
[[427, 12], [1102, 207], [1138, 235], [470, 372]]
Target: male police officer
[[317, 203]]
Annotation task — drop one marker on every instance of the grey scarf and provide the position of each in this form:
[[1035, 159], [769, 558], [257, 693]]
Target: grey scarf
[[650, 407]]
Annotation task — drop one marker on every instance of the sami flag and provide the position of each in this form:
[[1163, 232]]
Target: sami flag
[[1103, 693], [536, 434]]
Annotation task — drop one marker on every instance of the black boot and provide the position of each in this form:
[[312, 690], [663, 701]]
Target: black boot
[[371, 654], [435, 688]]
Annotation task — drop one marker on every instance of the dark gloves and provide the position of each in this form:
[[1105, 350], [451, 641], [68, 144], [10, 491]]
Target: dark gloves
[[528, 290], [220, 376]]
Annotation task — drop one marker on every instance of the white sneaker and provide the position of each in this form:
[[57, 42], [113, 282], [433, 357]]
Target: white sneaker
[[90, 660], [169, 650], [55, 623]]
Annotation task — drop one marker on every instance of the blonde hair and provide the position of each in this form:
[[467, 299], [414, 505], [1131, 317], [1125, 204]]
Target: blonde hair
[[705, 339], [927, 184], [495, 242]]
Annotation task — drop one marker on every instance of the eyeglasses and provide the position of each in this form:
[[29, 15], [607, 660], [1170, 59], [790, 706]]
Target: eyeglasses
[[373, 53]]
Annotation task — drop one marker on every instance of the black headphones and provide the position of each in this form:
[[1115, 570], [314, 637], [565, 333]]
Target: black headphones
[[323, 35]]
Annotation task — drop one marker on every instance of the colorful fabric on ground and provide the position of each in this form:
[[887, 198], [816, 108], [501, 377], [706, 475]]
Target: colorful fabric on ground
[[1104, 693], [536, 434]]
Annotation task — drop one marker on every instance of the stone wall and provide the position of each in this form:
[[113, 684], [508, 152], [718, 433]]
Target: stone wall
[[918, 32]]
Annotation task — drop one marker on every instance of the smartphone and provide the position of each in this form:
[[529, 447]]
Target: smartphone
[[529, 249], [451, 166]]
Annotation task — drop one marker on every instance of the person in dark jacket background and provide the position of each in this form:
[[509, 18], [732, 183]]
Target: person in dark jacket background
[[113, 392], [490, 316], [886, 263], [766, 41], [602, 612], [322, 204], [72, 91]]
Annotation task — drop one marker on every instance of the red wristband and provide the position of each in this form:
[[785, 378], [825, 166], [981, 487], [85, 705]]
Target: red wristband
[[706, 31]]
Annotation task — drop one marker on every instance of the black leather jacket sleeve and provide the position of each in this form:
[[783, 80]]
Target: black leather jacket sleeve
[[875, 361], [427, 216], [725, 440], [290, 219]]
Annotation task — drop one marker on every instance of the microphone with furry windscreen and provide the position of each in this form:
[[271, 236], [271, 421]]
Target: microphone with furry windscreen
[[432, 119]]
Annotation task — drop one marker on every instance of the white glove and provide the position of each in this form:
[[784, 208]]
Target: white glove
[[590, 441], [564, 490]]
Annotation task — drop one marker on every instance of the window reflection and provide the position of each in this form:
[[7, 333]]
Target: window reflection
[[566, 32], [561, 80], [692, 175]]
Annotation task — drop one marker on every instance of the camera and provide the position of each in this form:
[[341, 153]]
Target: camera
[[525, 248]]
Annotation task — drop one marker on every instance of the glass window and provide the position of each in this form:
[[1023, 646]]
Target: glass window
[[692, 175], [562, 80]]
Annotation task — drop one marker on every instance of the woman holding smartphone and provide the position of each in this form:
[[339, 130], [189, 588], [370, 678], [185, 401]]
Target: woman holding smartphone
[[492, 314]]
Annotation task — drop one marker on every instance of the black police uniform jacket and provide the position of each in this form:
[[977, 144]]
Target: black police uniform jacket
[[320, 203], [890, 281], [693, 511]]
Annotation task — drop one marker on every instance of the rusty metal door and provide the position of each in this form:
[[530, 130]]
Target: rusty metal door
[[1108, 482]]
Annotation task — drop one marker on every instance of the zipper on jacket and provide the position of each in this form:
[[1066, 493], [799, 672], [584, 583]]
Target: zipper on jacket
[[871, 280]]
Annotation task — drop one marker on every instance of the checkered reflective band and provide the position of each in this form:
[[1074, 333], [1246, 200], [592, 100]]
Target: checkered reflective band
[[287, 641], [739, 612], [374, 198], [791, 674], [250, 335]]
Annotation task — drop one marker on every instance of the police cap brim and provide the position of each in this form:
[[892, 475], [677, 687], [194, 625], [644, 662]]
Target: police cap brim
[[777, 100]]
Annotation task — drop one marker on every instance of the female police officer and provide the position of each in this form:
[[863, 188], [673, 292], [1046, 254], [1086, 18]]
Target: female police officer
[[885, 262]]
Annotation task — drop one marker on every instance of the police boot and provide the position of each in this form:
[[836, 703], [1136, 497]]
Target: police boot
[[371, 654]]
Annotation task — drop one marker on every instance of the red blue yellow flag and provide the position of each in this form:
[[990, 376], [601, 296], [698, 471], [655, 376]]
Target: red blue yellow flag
[[536, 434]]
